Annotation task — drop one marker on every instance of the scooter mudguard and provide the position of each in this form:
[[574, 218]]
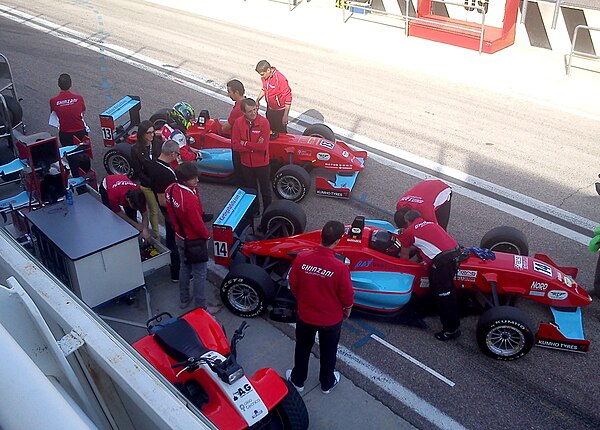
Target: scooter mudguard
[[566, 333]]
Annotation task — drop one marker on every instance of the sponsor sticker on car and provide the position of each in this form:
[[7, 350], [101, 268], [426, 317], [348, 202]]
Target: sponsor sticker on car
[[326, 144], [466, 275], [345, 154], [557, 295], [542, 268], [521, 263], [539, 286], [323, 156], [568, 281]]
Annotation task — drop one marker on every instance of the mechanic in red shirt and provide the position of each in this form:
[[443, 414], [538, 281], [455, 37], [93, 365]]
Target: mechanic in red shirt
[[235, 91], [250, 138], [187, 217], [323, 289], [432, 198], [440, 251], [69, 108], [125, 198], [277, 91]]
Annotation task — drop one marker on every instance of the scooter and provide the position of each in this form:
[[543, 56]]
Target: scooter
[[193, 354]]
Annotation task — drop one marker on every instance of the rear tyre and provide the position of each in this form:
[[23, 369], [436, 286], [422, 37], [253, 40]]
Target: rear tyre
[[160, 118], [320, 130], [504, 333], [291, 411], [506, 239], [247, 290], [291, 182], [117, 161], [283, 218]]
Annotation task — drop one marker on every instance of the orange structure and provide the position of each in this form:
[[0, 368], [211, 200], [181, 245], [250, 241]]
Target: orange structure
[[466, 34]]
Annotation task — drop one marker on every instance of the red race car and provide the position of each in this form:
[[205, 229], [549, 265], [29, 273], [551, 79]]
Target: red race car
[[292, 156], [492, 276]]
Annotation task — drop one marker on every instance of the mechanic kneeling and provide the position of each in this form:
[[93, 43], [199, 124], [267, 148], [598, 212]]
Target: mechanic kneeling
[[441, 251]]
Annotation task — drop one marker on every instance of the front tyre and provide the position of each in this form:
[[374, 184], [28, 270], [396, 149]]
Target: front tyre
[[320, 130], [283, 218], [291, 182], [117, 161], [506, 239], [291, 412], [247, 290], [504, 333]]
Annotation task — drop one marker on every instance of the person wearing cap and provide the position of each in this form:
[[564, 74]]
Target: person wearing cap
[[277, 92], [432, 198], [440, 251], [323, 288]]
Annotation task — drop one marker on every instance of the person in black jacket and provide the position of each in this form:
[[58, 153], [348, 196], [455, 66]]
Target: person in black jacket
[[146, 148]]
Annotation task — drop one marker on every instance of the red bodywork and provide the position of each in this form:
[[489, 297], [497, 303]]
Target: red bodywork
[[218, 410]]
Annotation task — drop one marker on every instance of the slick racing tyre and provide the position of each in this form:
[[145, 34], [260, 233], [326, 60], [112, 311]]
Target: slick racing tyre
[[291, 413], [283, 218], [247, 290], [291, 182], [506, 239], [320, 130], [504, 333], [117, 161], [15, 112], [160, 118]]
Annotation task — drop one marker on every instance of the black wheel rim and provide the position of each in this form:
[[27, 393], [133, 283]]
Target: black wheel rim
[[279, 227], [118, 165]]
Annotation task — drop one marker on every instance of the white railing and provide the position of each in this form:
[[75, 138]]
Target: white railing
[[579, 53]]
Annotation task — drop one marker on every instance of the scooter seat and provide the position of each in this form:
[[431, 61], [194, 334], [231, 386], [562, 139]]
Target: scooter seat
[[180, 341]]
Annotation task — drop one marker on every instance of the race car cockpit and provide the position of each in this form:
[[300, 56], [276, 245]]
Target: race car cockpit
[[385, 242]]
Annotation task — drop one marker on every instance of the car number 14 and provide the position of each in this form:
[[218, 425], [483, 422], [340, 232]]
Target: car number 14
[[220, 249]]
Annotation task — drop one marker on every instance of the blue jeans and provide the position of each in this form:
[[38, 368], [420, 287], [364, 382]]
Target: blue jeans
[[199, 271]]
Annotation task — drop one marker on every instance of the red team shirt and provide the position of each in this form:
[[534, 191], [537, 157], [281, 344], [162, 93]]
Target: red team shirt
[[428, 237], [116, 188], [426, 197], [322, 286], [69, 108], [277, 90], [236, 112], [244, 139], [186, 202]]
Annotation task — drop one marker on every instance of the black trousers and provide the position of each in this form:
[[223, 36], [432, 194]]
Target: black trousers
[[275, 117], [329, 337], [66, 138], [255, 177], [171, 245], [441, 283], [130, 212]]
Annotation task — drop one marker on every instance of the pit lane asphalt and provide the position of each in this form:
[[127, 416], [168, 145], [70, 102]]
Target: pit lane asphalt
[[546, 389]]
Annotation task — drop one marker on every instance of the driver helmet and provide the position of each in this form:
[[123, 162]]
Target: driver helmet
[[183, 114]]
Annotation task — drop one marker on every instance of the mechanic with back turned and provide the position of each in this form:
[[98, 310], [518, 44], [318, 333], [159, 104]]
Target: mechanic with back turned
[[323, 288], [277, 92], [69, 109], [441, 252], [250, 138], [432, 198], [125, 198]]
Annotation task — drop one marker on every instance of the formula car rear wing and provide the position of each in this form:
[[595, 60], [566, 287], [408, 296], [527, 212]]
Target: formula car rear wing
[[232, 225], [113, 134]]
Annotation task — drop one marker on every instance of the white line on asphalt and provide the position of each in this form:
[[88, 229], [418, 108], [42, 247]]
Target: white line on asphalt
[[395, 389], [413, 360], [158, 68]]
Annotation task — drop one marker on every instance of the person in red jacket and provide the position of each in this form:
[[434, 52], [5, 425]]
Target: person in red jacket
[[432, 198], [235, 91], [250, 138], [277, 91], [323, 289], [125, 198], [187, 217], [69, 109], [440, 251]]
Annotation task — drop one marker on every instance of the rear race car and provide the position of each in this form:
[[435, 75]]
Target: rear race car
[[293, 157], [493, 275]]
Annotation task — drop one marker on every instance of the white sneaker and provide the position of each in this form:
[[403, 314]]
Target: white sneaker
[[288, 376], [337, 376]]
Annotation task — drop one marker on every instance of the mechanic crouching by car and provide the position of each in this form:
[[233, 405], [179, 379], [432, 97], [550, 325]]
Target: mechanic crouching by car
[[432, 198], [323, 288], [441, 252]]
